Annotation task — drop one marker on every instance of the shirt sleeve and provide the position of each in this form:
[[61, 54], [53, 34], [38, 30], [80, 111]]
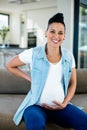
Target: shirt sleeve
[[26, 56]]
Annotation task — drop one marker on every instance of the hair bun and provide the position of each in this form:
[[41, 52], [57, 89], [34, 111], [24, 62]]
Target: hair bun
[[59, 17]]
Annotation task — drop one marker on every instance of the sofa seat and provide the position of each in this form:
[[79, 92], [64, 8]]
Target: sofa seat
[[80, 100], [9, 103]]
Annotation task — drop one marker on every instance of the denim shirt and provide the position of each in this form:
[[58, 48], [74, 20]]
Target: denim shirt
[[40, 68]]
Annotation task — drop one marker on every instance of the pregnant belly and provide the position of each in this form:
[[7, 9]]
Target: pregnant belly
[[49, 96]]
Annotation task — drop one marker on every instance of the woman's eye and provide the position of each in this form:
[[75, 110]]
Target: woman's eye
[[60, 33], [52, 31]]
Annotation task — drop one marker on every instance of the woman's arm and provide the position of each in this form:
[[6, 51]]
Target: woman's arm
[[71, 88], [13, 65]]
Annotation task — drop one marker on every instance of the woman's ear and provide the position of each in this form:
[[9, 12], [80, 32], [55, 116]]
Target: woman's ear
[[45, 34], [64, 36]]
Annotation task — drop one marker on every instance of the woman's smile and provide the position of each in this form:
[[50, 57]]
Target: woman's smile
[[55, 41]]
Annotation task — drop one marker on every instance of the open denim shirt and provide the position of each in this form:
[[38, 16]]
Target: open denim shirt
[[39, 72]]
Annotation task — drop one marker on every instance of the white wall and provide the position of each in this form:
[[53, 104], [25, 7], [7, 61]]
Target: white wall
[[67, 8], [15, 28], [38, 19]]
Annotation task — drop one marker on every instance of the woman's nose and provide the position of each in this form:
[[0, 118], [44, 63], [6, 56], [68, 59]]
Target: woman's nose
[[56, 35]]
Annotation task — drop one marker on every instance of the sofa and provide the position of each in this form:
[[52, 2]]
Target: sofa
[[14, 89]]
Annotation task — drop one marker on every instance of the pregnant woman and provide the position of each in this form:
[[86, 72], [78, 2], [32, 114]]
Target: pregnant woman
[[53, 82]]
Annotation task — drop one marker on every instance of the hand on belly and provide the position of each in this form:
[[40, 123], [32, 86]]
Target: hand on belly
[[57, 106], [50, 100]]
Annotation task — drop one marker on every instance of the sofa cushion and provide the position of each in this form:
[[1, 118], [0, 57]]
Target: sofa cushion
[[8, 105], [10, 84], [80, 100], [15, 85], [81, 81]]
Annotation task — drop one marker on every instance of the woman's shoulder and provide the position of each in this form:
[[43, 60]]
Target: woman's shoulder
[[38, 47], [66, 51], [67, 54], [38, 51]]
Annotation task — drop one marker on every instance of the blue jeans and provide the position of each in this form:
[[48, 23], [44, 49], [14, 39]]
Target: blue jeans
[[36, 117]]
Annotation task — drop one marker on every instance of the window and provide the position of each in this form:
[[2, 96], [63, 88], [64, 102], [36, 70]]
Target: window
[[4, 20], [80, 33], [82, 46]]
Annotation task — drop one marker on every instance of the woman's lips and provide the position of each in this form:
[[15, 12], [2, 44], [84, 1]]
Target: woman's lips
[[55, 41]]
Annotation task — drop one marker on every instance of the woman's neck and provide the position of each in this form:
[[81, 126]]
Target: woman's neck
[[53, 54]]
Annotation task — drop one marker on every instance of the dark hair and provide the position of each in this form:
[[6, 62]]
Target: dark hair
[[59, 18]]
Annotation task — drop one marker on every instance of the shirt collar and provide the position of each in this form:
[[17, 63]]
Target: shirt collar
[[42, 53]]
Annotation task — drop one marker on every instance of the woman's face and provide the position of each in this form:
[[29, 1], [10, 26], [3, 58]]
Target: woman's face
[[55, 34]]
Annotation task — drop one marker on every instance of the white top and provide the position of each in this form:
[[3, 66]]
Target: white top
[[53, 89]]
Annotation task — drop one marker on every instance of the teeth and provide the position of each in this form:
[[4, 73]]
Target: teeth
[[55, 41]]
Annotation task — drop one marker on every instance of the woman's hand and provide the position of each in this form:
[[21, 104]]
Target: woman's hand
[[57, 106]]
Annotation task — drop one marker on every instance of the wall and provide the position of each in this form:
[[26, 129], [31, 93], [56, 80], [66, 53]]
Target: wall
[[15, 28], [38, 19], [67, 8]]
